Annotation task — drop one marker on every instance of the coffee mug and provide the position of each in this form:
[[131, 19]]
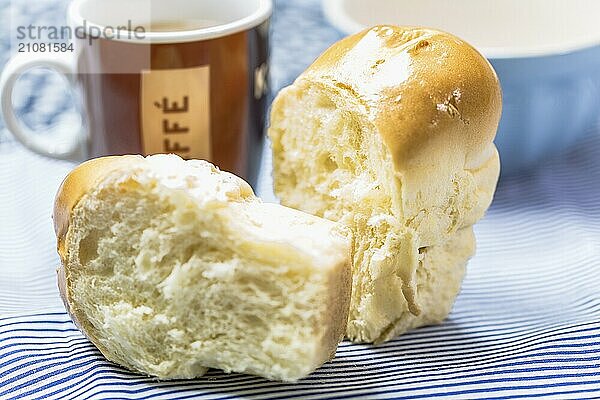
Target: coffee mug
[[184, 77]]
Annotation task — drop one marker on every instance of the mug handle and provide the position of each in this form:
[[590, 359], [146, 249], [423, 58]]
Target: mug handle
[[73, 147]]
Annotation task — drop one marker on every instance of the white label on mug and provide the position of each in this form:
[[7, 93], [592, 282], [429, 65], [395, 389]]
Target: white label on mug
[[175, 112]]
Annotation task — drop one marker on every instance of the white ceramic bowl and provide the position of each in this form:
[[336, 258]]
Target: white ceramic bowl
[[546, 54]]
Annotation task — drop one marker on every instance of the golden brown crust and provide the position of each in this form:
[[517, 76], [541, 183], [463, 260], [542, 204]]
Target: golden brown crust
[[416, 83]]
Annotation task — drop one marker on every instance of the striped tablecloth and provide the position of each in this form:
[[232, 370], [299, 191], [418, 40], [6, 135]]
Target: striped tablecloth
[[526, 324]]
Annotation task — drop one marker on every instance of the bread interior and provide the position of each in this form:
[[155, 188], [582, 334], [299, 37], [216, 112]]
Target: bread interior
[[348, 176], [165, 287]]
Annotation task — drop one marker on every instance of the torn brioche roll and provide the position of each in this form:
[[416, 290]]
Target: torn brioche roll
[[171, 267], [391, 132]]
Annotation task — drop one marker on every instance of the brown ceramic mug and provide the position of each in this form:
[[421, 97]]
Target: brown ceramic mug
[[179, 76]]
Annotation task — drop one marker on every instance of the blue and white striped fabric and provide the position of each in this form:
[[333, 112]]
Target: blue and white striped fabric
[[526, 324]]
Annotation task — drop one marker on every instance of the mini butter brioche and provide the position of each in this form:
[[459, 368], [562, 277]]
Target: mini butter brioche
[[171, 267], [391, 132]]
